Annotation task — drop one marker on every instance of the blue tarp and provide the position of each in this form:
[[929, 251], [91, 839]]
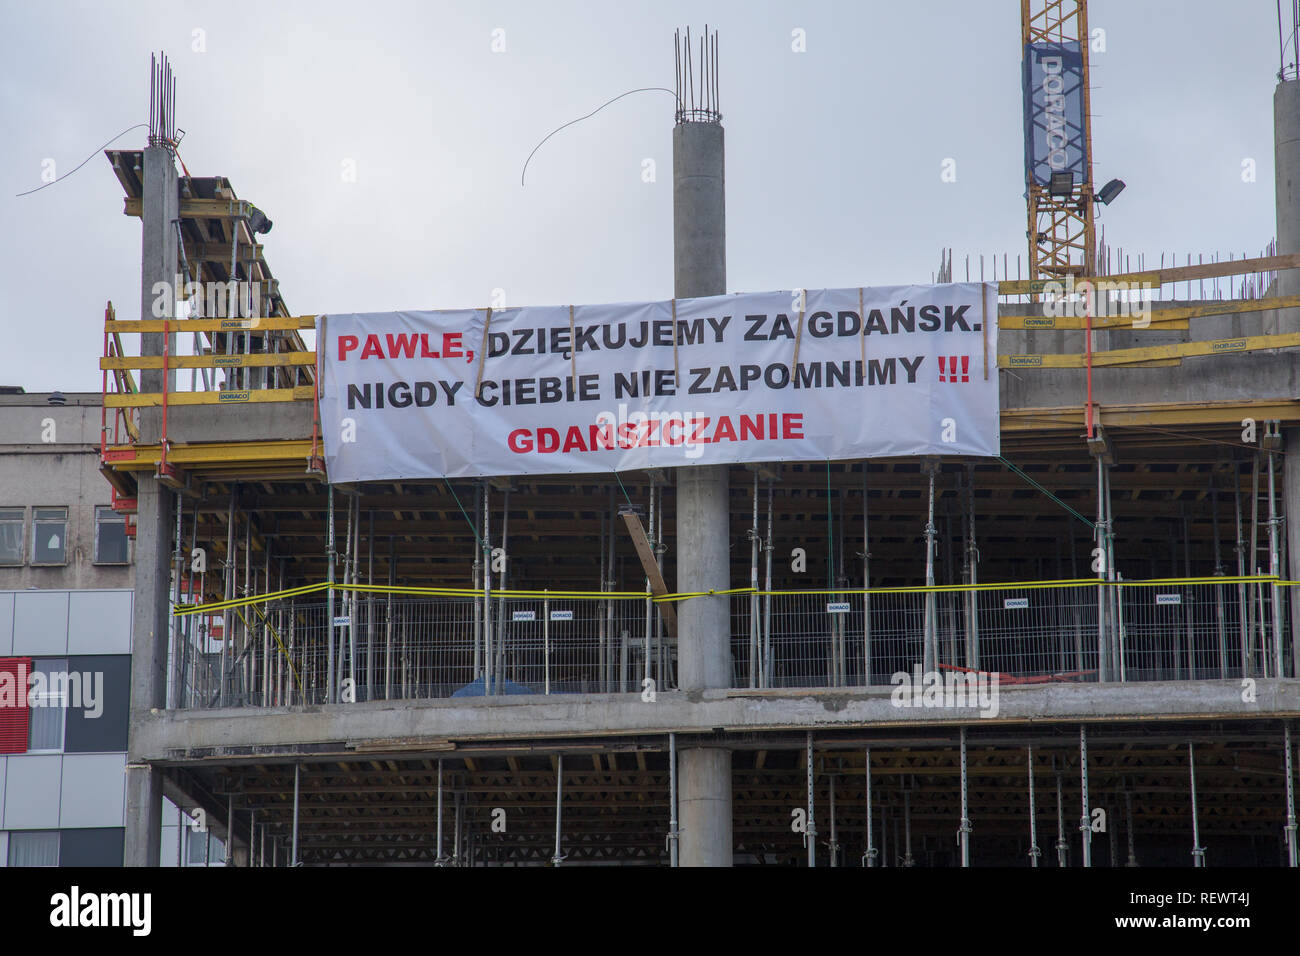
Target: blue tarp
[[479, 686]]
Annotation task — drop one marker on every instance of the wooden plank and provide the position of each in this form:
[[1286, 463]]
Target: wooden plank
[[244, 360], [651, 567], [1205, 270], [1173, 413], [198, 208], [303, 393], [1162, 319], [1151, 354]]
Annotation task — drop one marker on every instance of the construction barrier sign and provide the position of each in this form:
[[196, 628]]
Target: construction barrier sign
[[809, 375]]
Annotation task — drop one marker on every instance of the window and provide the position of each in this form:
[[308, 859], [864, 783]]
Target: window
[[11, 535], [110, 536], [34, 848], [198, 852], [48, 704], [49, 536]]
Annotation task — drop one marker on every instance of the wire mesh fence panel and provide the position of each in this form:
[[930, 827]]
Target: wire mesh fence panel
[[1047, 632], [401, 647]]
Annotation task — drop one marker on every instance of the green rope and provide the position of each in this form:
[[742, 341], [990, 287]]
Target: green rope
[[472, 530], [626, 496], [1029, 479]]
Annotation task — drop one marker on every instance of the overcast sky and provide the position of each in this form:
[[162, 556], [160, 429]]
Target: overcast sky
[[834, 155]]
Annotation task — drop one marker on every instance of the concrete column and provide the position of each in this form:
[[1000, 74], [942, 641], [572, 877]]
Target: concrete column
[[148, 668], [1286, 155], [703, 516], [160, 210], [153, 547], [705, 801]]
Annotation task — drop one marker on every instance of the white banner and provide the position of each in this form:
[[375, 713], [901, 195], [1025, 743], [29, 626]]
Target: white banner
[[778, 376]]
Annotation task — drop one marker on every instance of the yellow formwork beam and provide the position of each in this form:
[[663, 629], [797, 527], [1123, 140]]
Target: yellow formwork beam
[[303, 393], [215, 453], [1156, 277], [181, 326], [241, 360]]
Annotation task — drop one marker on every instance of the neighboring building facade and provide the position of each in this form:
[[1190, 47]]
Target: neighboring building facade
[[66, 577]]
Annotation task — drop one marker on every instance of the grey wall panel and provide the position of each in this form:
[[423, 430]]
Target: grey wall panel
[[99, 622], [97, 847], [93, 794], [41, 623], [32, 792], [106, 733]]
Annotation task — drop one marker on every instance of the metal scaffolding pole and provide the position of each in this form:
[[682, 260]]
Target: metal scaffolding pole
[[767, 598], [388, 624], [1103, 648], [227, 618], [297, 774], [1062, 847], [610, 633], [602, 629], [1085, 821], [1275, 571], [649, 604], [869, 857], [1115, 593], [835, 841], [1243, 626], [370, 611], [487, 589], [1034, 852], [440, 860], [1219, 616], [475, 579], [558, 858], [972, 576], [753, 598], [930, 650], [354, 539], [963, 831], [1198, 851], [810, 836], [500, 668], [907, 826], [673, 832], [330, 690], [1292, 851], [866, 595], [1128, 807]]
